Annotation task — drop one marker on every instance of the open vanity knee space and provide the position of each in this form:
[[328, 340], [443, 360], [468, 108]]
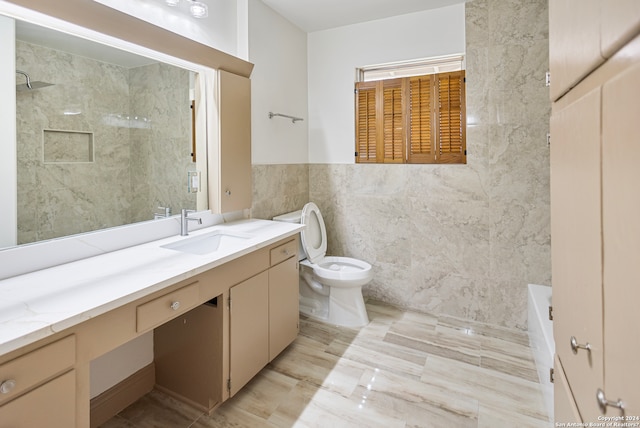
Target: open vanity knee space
[[216, 318]]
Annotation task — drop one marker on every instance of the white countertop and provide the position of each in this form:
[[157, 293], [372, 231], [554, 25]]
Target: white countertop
[[38, 304]]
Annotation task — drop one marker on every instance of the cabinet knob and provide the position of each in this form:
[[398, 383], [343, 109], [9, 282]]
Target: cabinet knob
[[7, 386], [175, 305], [575, 345], [227, 192], [603, 403]]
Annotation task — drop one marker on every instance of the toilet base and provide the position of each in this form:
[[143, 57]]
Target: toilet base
[[343, 306]]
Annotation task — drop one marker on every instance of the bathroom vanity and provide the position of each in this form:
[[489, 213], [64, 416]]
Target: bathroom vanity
[[218, 317]]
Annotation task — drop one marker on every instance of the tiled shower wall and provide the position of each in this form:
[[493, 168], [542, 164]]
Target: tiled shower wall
[[133, 158], [463, 240]]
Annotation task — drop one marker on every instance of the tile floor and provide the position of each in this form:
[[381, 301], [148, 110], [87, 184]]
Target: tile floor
[[404, 369]]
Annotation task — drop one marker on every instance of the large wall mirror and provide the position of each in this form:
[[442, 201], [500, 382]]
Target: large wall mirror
[[104, 124], [104, 136]]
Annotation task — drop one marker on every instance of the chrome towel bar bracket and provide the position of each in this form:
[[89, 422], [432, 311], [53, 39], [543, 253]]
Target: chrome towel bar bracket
[[293, 118]]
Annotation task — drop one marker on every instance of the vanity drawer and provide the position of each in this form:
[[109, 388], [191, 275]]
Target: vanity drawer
[[164, 308], [29, 370], [284, 251]]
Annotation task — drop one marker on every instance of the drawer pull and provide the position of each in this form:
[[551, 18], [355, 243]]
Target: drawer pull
[[575, 345], [285, 252], [603, 402], [175, 305], [7, 386]]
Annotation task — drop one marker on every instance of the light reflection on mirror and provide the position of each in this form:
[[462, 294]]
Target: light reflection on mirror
[[104, 137]]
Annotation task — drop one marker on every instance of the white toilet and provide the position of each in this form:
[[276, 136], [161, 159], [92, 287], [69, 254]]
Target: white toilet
[[330, 287]]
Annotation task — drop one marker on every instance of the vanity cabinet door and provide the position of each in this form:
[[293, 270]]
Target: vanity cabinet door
[[283, 305], [234, 162], [52, 405], [249, 330]]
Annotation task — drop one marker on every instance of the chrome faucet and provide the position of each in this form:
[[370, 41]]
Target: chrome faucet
[[184, 221], [165, 214]]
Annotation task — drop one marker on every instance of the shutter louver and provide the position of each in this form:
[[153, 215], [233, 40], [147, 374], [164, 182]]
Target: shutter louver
[[451, 117], [393, 123], [366, 131], [421, 120]]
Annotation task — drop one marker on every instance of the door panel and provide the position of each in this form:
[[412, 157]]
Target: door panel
[[283, 305], [575, 51], [577, 244], [249, 329], [621, 226]]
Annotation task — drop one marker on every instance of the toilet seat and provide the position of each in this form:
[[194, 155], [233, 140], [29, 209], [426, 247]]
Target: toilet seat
[[314, 235]]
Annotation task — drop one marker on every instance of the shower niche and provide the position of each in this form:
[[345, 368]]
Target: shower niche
[[67, 146]]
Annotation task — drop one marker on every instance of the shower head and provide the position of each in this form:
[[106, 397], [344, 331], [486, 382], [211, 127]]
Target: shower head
[[29, 84]]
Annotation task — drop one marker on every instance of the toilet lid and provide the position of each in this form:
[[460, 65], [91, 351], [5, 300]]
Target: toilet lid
[[314, 236]]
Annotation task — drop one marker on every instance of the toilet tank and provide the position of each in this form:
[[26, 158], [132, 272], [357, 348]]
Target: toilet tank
[[293, 217]]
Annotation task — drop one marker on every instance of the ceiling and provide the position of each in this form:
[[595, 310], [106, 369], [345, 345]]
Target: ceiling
[[315, 15]]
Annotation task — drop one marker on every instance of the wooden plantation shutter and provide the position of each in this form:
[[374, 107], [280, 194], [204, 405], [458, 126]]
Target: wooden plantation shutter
[[420, 119], [366, 129], [421, 135], [392, 149], [451, 123]]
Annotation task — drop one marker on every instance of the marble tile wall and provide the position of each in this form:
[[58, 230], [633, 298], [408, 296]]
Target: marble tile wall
[[63, 198], [462, 240], [161, 151], [278, 189]]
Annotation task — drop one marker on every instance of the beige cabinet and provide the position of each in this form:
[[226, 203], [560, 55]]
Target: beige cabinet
[[595, 207], [52, 405], [188, 355], [574, 42], [38, 389], [249, 330], [619, 24], [577, 246], [583, 34], [621, 233], [283, 306], [263, 315], [207, 354], [233, 159]]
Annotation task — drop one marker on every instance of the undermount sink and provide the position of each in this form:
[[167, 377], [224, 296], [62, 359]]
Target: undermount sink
[[208, 243]]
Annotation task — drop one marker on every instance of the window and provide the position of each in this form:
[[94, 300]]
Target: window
[[416, 119]]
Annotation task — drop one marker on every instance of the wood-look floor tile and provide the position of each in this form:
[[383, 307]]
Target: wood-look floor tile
[[117, 422], [437, 344], [380, 386], [229, 418], [478, 328], [404, 369], [314, 407], [159, 410], [383, 312], [396, 359], [263, 394], [487, 386], [492, 417]]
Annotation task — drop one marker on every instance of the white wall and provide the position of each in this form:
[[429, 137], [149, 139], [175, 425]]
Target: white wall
[[335, 54], [8, 190], [218, 30], [278, 84]]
